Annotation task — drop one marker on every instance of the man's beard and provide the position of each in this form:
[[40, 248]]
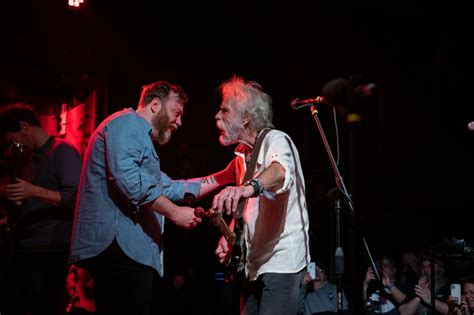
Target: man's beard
[[232, 133], [161, 123]]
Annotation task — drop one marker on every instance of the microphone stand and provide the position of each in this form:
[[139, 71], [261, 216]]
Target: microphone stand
[[336, 194]]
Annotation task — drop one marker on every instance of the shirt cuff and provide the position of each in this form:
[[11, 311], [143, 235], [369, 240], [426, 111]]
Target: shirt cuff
[[192, 187], [288, 181]]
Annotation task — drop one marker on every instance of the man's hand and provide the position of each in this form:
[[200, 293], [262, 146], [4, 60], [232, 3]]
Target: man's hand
[[184, 217], [19, 191], [386, 279], [229, 198], [369, 276], [223, 251], [423, 291], [307, 278]]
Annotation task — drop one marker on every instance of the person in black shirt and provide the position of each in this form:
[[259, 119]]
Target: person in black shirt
[[40, 195]]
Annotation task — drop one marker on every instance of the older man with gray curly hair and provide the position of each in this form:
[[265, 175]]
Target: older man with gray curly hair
[[274, 220]]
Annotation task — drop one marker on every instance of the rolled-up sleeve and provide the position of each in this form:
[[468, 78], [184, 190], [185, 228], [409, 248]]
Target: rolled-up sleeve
[[280, 151], [132, 163], [177, 190]]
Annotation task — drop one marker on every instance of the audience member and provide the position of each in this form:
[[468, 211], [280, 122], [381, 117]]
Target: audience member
[[383, 298], [80, 288], [421, 303], [320, 296]]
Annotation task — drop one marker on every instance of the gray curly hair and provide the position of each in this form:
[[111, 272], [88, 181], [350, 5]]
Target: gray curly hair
[[249, 97]]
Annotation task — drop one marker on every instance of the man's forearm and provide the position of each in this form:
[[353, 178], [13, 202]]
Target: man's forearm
[[398, 295], [214, 181], [163, 206], [209, 184], [273, 177], [49, 196], [183, 217], [441, 307], [411, 306]]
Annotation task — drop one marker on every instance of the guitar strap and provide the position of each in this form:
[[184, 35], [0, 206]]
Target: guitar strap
[[238, 214]]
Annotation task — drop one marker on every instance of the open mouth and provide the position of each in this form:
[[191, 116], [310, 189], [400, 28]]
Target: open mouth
[[222, 130]]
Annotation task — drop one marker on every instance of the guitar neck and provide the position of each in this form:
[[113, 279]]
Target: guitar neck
[[234, 240], [218, 221], [224, 229], [16, 153]]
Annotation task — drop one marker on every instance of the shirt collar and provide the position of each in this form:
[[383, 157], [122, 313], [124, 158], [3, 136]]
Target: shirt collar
[[146, 123]]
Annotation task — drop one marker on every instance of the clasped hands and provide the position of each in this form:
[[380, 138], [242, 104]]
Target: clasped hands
[[17, 191]]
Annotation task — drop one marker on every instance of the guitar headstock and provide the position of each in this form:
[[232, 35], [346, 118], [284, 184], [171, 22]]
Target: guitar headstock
[[15, 155], [15, 150], [18, 149]]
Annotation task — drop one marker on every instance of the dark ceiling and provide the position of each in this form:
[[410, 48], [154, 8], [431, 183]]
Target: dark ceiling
[[414, 153]]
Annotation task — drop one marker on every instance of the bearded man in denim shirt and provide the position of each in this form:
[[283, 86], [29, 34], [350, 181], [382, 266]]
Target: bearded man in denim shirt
[[123, 198]]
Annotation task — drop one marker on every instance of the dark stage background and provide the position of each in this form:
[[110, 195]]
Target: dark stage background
[[413, 153]]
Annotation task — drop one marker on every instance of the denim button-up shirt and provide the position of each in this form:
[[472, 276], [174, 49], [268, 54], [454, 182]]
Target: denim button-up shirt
[[121, 172]]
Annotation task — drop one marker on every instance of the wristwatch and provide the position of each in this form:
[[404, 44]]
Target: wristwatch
[[257, 187]]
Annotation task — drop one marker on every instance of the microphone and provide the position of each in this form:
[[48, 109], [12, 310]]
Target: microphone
[[470, 126], [297, 103], [343, 93], [365, 89], [360, 85]]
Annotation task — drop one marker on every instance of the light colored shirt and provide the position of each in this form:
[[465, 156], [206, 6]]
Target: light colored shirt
[[276, 230], [121, 173]]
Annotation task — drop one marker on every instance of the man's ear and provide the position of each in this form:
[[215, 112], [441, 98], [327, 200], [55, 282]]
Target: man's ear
[[156, 105]]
